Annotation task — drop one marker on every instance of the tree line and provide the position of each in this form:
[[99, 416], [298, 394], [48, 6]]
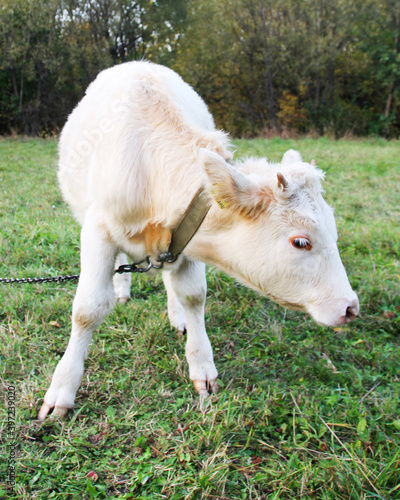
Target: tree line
[[262, 66]]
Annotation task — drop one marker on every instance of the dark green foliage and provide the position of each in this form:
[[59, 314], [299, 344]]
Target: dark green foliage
[[278, 67], [50, 51], [328, 67]]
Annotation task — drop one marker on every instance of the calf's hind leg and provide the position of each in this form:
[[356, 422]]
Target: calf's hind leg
[[122, 282], [93, 300], [187, 288], [176, 312]]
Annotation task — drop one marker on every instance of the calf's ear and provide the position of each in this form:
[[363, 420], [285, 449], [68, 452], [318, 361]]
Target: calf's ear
[[282, 182], [291, 156], [233, 189]]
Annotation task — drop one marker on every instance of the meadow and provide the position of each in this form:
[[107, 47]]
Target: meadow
[[303, 412]]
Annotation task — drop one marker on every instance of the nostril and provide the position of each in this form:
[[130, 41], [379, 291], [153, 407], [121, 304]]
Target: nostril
[[352, 311]]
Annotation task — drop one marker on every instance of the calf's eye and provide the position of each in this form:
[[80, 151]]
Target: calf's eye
[[301, 242]]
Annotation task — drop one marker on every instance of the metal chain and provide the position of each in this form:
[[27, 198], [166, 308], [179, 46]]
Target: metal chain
[[127, 268], [132, 268], [57, 279]]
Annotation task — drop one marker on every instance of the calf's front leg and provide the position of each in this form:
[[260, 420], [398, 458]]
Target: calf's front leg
[[187, 288], [94, 299]]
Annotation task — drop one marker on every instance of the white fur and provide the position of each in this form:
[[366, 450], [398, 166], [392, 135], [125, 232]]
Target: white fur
[[132, 155]]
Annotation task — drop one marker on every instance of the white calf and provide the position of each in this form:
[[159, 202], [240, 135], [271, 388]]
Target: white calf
[[133, 154]]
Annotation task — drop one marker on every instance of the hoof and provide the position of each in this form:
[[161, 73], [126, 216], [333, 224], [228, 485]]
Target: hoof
[[205, 387], [58, 412]]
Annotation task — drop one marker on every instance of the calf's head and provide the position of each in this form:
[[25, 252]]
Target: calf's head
[[279, 234]]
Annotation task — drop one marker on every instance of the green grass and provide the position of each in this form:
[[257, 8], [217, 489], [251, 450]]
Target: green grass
[[304, 411]]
